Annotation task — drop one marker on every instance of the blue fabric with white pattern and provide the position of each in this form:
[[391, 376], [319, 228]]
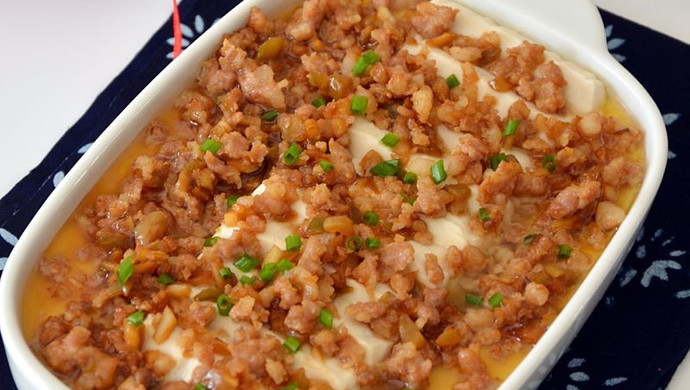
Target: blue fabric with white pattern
[[637, 335]]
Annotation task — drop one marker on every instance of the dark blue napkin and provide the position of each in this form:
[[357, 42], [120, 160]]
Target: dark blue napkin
[[636, 336]]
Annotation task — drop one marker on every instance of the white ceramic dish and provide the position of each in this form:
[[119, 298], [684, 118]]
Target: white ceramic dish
[[570, 28]]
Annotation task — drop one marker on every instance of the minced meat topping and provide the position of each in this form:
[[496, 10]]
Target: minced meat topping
[[360, 196]]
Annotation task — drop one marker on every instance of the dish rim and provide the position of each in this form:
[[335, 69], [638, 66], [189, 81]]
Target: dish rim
[[30, 372]]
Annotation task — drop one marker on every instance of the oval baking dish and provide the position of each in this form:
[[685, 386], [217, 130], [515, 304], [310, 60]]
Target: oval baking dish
[[543, 21]]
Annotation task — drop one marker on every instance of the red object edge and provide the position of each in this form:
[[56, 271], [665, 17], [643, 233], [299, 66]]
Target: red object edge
[[177, 31]]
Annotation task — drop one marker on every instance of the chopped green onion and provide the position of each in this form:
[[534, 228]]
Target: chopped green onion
[[364, 61], [452, 81], [371, 57], [318, 102], [354, 243], [410, 178], [211, 241], [511, 127], [549, 162], [358, 106], [247, 263], [200, 386], [370, 218], [390, 140], [474, 300], [496, 300], [284, 265], [124, 271], [483, 214], [225, 272], [268, 272], [360, 67], [326, 318], [438, 172], [529, 239], [165, 279], [327, 166], [232, 199], [292, 344], [386, 168], [395, 163], [292, 153], [248, 280], [564, 251], [293, 242], [496, 159], [372, 243], [210, 145], [407, 198], [136, 318], [291, 386], [269, 115], [224, 305]]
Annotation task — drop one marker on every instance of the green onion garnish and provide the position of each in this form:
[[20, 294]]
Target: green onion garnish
[[386, 168], [293, 242], [318, 102], [529, 238], [354, 243], [210, 145], [269, 115], [224, 305], [496, 300], [372, 243], [549, 162], [359, 105], [292, 154], [292, 344], [483, 214], [474, 300], [496, 159], [564, 251], [232, 199], [370, 57], [511, 127], [165, 279], [407, 198], [367, 59], [284, 265], [124, 271], [268, 272], [211, 241], [200, 386], [452, 81], [370, 218], [410, 178], [360, 67], [247, 263], [326, 318], [225, 272], [248, 280], [291, 386], [390, 139], [136, 318], [438, 172], [327, 166]]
